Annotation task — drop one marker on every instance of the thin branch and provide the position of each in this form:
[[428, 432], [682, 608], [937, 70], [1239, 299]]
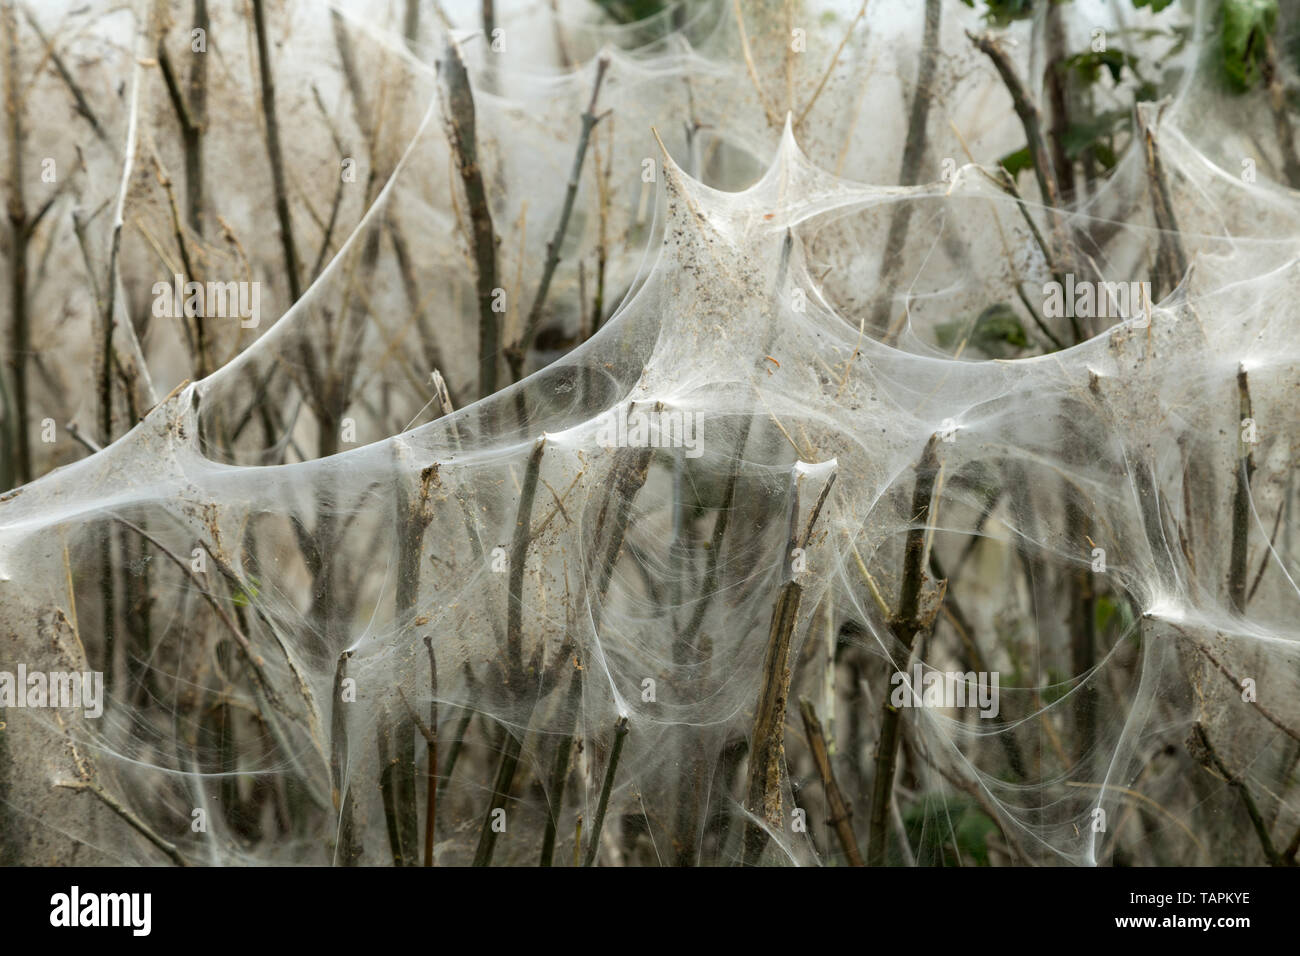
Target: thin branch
[[254, 659], [191, 139], [514, 652], [518, 352], [1007, 183], [593, 842], [1241, 507], [501, 787], [86, 786], [773, 119], [347, 848], [273, 150], [19, 235], [910, 171], [78, 96], [767, 756], [559, 774], [1030, 118], [431, 771], [1268, 552], [518, 559], [1236, 683], [459, 113], [1171, 260], [200, 341], [85, 440], [1272, 75], [905, 626], [830, 67], [1199, 746], [841, 814]]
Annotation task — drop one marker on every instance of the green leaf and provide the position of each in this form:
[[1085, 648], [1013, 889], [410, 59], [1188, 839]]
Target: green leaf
[[1004, 12], [997, 332], [1105, 154], [1058, 685], [1110, 612], [942, 824], [1089, 64], [999, 323], [244, 597], [973, 832], [1155, 5], [1017, 162], [1245, 26], [1094, 133], [630, 11], [1103, 611]]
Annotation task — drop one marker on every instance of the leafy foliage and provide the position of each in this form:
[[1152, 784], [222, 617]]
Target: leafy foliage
[[629, 11], [997, 332], [958, 826], [1245, 27], [1004, 12]]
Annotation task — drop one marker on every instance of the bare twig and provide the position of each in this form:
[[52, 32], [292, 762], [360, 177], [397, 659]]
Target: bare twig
[[514, 652], [501, 787], [773, 118], [593, 842], [1199, 746], [396, 744], [518, 559], [1241, 508], [191, 116], [1008, 183], [77, 434], [841, 814], [1171, 260], [169, 849], [1057, 80], [200, 340], [1030, 118], [518, 351], [347, 847], [1222, 668], [274, 151], [1268, 552], [17, 253], [78, 95], [459, 112], [1272, 75], [830, 67], [910, 172], [431, 772], [906, 625], [767, 757], [254, 659], [559, 774]]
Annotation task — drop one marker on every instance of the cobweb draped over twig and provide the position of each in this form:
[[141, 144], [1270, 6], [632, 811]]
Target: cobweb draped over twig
[[531, 584]]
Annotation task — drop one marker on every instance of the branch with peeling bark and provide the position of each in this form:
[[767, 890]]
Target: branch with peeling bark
[[767, 754], [458, 110], [841, 814]]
